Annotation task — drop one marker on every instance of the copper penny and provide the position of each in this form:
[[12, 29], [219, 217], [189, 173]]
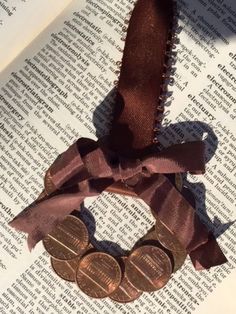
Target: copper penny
[[67, 240], [179, 259], [65, 269], [150, 235], [148, 268], [126, 292], [98, 275], [167, 238], [48, 183], [179, 181]]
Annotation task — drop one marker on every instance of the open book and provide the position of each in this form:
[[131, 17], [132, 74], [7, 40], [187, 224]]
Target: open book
[[58, 67]]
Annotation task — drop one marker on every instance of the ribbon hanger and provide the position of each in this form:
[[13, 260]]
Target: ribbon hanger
[[129, 157]]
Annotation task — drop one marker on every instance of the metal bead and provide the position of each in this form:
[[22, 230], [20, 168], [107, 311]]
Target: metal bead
[[155, 140], [160, 108], [171, 62], [171, 81], [169, 73]]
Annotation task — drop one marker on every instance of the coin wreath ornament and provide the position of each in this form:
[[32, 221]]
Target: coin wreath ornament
[[128, 161]]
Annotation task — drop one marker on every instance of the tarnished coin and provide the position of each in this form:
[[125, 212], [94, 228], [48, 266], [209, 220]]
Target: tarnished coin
[[67, 240], [67, 269], [179, 181], [167, 238], [48, 184], [98, 275], [179, 259], [150, 235], [126, 292], [148, 268]]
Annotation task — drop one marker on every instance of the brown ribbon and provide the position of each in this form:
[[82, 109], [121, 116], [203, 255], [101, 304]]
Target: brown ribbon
[[128, 155]]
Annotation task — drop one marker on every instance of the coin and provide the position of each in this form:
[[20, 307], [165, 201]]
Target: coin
[[67, 269], [150, 235], [126, 292], [67, 240], [167, 238], [48, 183], [179, 181], [179, 259], [148, 268], [98, 275]]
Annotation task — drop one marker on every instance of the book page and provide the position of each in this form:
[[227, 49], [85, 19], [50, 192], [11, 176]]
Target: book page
[[62, 88], [21, 21]]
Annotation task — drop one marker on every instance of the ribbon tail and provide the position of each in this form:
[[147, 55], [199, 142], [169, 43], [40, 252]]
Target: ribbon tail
[[208, 255], [39, 219], [180, 218]]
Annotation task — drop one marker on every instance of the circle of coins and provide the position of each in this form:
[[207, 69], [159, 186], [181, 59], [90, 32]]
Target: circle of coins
[[147, 268]]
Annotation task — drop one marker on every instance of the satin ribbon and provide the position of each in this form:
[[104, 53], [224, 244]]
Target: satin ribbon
[[128, 155]]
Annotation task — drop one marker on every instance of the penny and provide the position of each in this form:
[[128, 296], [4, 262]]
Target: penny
[[150, 235], [126, 292], [98, 275], [167, 238], [67, 240], [179, 181], [148, 268], [179, 259], [67, 269], [48, 183]]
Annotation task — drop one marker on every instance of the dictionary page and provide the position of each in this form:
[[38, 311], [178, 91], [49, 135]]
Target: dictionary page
[[21, 21], [62, 88]]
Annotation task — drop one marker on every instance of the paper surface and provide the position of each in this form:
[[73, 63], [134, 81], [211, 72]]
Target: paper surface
[[62, 87], [20, 23]]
